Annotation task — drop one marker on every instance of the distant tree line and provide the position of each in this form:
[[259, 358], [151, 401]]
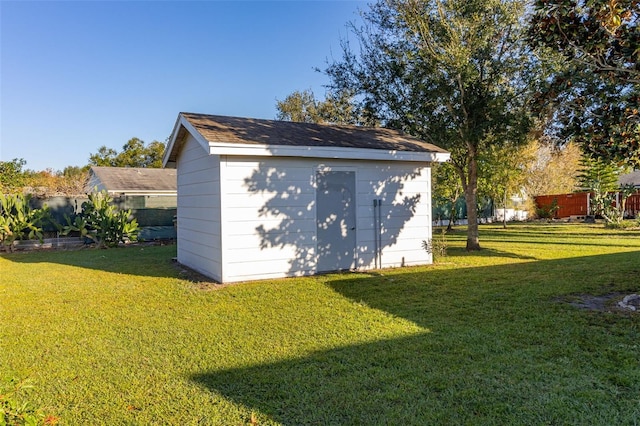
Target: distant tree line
[[15, 178]]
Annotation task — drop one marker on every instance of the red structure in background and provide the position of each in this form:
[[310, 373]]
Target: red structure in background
[[633, 205], [577, 204]]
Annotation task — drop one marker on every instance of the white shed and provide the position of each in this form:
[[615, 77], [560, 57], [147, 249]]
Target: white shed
[[265, 199]]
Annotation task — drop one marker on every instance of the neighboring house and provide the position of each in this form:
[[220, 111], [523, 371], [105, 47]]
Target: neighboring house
[[632, 178], [123, 181], [264, 199], [151, 194]]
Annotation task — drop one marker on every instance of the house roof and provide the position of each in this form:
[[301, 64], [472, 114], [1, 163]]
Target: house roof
[[632, 178], [133, 179], [221, 134]]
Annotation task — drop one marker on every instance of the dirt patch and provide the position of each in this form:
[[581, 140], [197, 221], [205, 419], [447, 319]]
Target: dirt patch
[[605, 303], [198, 280]]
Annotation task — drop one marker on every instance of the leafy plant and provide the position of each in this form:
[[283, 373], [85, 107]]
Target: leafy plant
[[549, 211], [436, 247], [608, 199], [12, 177], [18, 220], [613, 209], [15, 408], [102, 222]]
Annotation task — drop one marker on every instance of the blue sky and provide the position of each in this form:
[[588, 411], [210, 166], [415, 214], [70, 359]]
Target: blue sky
[[76, 75]]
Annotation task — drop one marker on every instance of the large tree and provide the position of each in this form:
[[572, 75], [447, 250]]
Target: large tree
[[503, 174], [454, 73], [337, 108], [594, 97], [134, 154], [301, 107], [550, 169], [12, 177], [446, 190]]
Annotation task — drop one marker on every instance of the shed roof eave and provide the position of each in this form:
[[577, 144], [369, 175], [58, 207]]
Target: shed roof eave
[[235, 149], [170, 153]]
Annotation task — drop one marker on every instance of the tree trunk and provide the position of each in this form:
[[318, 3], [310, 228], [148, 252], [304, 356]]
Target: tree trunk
[[471, 199], [468, 172], [473, 236], [504, 210], [452, 215]]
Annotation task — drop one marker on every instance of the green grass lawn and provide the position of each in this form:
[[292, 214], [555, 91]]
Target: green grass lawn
[[121, 337]]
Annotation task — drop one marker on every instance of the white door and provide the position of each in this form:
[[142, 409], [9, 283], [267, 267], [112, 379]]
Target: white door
[[336, 220]]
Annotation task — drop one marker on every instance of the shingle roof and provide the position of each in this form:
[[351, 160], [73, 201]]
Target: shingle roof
[[630, 178], [216, 128], [130, 179]]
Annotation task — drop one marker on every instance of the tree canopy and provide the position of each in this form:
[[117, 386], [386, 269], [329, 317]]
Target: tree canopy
[[303, 107], [453, 73], [134, 154], [594, 97], [12, 178], [550, 169]]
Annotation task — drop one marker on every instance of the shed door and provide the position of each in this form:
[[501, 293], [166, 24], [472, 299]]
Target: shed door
[[336, 220]]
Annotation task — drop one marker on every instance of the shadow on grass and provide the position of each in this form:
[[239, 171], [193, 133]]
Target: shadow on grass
[[496, 349], [379, 383], [531, 234], [137, 259], [632, 242], [488, 252]]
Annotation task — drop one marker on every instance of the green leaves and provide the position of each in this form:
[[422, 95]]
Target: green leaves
[[304, 108], [608, 199], [12, 177], [18, 221], [457, 74], [15, 408], [594, 97], [134, 154], [102, 222]]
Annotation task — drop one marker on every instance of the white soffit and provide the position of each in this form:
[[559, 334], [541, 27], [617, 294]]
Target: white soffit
[[221, 148]]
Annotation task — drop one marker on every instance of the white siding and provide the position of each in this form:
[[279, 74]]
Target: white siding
[[268, 214], [199, 210], [404, 190]]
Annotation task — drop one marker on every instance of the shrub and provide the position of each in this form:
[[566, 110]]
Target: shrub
[[15, 408], [102, 222], [18, 220], [547, 212], [436, 247], [623, 224]]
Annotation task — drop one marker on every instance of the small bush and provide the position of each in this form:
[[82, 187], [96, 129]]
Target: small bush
[[15, 407], [547, 212], [18, 220], [436, 247], [623, 224], [102, 222]]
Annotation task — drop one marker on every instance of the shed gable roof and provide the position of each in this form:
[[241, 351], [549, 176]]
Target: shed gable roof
[[289, 138], [133, 179]]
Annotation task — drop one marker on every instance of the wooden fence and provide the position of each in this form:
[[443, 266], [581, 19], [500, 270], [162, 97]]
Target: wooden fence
[[577, 204]]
